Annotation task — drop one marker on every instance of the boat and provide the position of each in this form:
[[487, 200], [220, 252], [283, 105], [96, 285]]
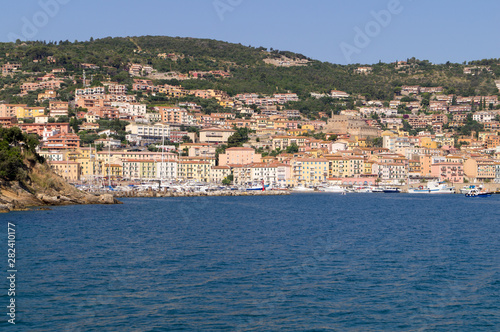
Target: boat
[[377, 190], [466, 189], [477, 193], [363, 190], [433, 188], [391, 190], [258, 187], [332, 189], [302, 189]]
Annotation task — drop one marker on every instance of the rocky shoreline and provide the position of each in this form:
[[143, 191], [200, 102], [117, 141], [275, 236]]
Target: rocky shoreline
[[218, 193], [43, 189]]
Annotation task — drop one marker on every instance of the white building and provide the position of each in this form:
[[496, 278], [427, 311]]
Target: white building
[[166, 170], [148, 131], [132, 109], [483, 117]]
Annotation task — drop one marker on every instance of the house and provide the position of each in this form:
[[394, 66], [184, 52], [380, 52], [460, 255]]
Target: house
[[452, 172], [215, 135], [240, 156], [339, 94], [62, 141]]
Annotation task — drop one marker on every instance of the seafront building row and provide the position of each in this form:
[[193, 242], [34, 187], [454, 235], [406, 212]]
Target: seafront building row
[[356, 166]]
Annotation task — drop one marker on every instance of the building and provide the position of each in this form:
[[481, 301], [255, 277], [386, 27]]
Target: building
[[215, 135], [58, 108], [194, 170], [219, 173], [310, 170], [39, 128], [69, 170], [239, 156], [452, 172], [147, 133], [343, 124], [62, 141], [10, 110], [479, 170]]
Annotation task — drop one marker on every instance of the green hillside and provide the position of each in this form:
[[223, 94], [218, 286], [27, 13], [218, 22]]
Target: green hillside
[[246, 64]]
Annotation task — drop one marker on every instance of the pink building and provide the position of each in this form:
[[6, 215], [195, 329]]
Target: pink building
[[452, 172], [239, 156]]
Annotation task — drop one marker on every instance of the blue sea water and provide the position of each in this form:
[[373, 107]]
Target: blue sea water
[[305, 262]]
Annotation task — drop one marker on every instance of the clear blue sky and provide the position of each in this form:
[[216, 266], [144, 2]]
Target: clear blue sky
[[326, 30]]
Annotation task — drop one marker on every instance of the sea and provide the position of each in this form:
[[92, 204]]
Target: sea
[[303, 262]]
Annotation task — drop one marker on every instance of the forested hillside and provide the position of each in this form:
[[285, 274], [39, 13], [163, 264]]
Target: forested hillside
[[249, 72]]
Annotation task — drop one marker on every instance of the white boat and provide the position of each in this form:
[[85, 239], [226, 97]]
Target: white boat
[[466, 189], [302, 189], [377, 190], [433, 188], [363, 190], [332, 189], [477, 193]]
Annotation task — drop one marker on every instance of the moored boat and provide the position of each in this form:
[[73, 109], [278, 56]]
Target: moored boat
[[332, 189], [467, 189], [391, 190], [302, 189], [477, 193], [433, 188]]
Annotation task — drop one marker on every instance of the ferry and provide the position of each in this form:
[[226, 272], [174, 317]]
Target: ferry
[[433, 188]]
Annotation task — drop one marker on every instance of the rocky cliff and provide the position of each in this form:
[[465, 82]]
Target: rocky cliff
[[44, 188]]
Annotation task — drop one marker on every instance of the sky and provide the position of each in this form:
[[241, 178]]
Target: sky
[[337, 31]]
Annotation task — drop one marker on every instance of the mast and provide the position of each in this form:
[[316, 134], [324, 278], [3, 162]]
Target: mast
[[162, 151], [109, 163]]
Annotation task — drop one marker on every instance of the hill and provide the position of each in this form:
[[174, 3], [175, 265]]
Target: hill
[[250, 68]]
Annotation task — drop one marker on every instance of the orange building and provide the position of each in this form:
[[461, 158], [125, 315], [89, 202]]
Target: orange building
[[62, 141]]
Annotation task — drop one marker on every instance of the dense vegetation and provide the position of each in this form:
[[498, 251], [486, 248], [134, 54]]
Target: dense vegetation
[[15, 148]]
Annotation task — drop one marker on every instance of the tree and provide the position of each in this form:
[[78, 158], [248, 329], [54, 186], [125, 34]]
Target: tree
[[292, 148], [228, 180]]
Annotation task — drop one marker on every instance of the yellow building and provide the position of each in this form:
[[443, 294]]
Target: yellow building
[[296, 132], [310, 170], [368, 167], [69, 170], [194, 170], [355, 166], [336, 166], [114, 170], [427, 142], [29, 112]]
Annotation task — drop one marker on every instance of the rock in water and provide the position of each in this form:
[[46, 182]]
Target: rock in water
[[107, 199]]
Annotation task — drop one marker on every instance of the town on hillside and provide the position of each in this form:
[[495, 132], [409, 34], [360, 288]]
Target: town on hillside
[[105, 131]]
